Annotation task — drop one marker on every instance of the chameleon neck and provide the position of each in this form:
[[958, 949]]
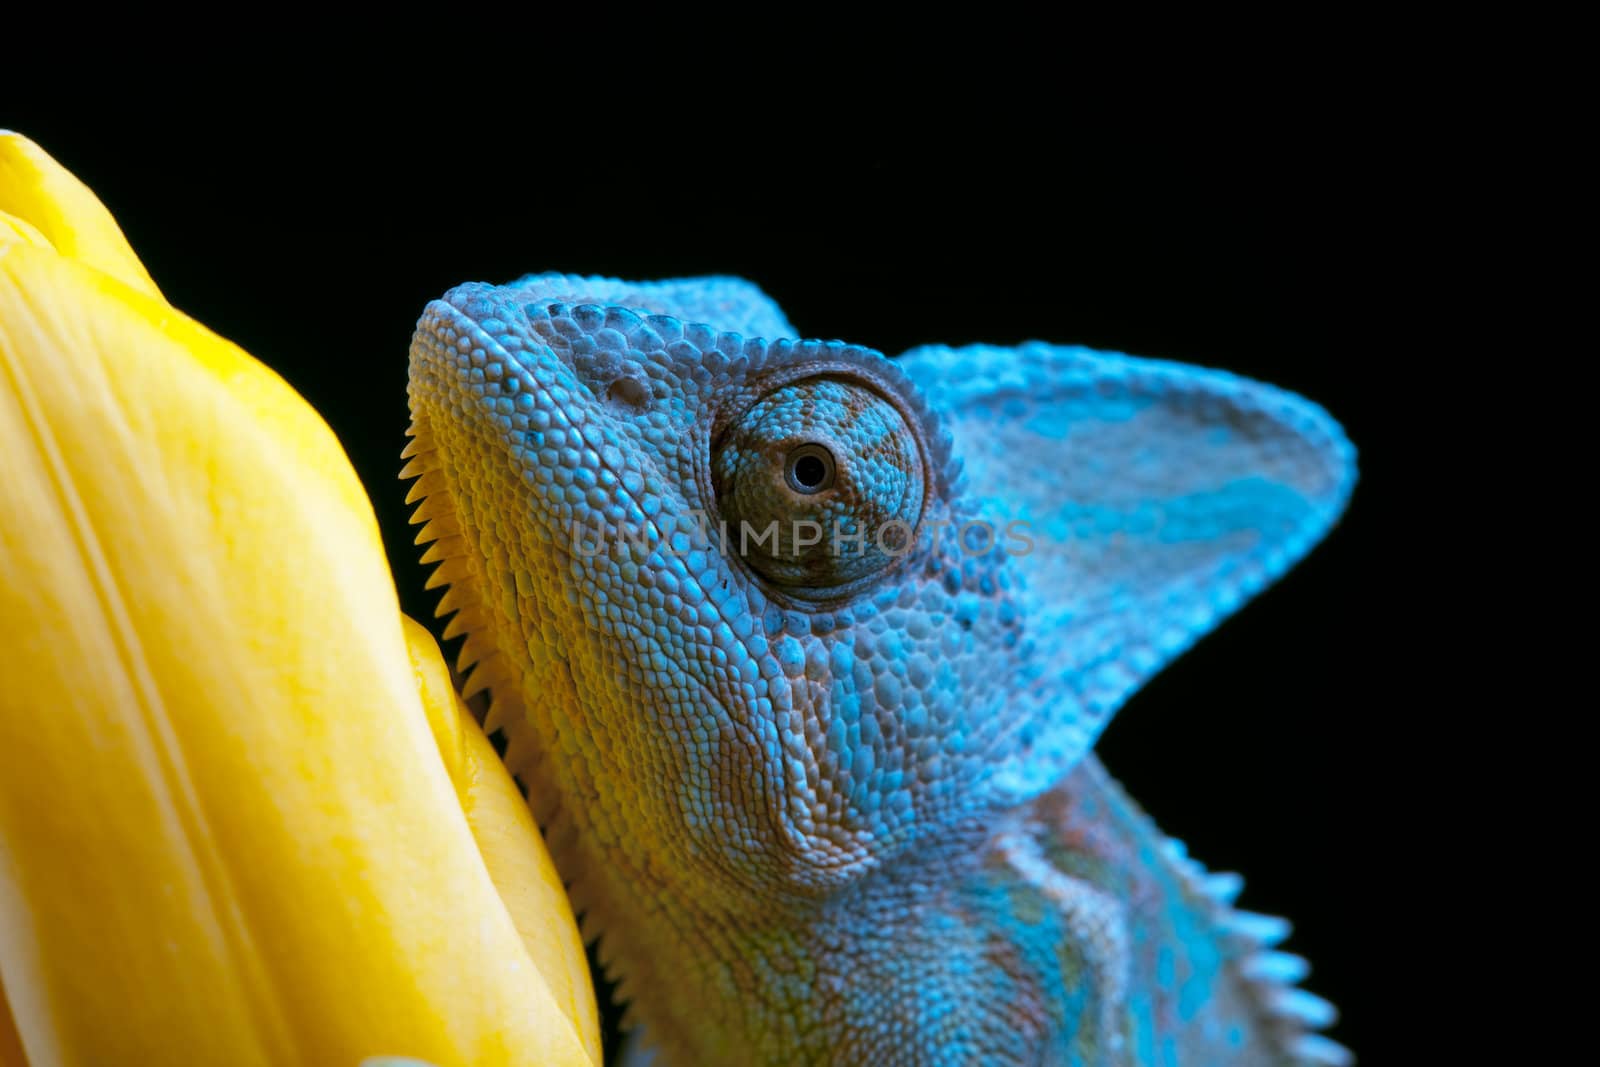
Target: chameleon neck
[[1076, 894]]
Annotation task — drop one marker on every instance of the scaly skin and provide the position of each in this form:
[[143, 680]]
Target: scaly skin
[[834, 802]]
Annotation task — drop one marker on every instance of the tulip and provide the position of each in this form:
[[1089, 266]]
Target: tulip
[[244, 818]]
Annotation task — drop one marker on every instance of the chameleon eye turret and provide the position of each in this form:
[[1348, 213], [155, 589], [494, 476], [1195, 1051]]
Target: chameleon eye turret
[[820, 484]]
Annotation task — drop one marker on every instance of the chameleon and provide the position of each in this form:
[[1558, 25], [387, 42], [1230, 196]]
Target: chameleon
[[800, 653]]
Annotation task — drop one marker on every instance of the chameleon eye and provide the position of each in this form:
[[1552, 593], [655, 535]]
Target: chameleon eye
[[820, 484]]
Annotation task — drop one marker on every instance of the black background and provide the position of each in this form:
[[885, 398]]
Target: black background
[[314, 242]]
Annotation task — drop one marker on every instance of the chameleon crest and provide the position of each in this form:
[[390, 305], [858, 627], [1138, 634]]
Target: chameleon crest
[[800, 653]]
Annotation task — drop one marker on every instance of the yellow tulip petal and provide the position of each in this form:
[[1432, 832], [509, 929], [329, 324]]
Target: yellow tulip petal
[[10, 1042], [230, 835], [43, 193], [20, 230], [515, 854]]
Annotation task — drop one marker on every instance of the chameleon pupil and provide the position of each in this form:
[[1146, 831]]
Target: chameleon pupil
[[810, 469]]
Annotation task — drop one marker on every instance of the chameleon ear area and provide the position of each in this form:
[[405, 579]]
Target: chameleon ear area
[[1158, 497]]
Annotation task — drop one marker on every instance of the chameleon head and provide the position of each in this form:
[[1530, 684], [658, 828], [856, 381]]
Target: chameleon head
[[698, 576], [737, 620]]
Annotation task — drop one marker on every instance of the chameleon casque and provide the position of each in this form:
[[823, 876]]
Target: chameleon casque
[[833, 800]]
